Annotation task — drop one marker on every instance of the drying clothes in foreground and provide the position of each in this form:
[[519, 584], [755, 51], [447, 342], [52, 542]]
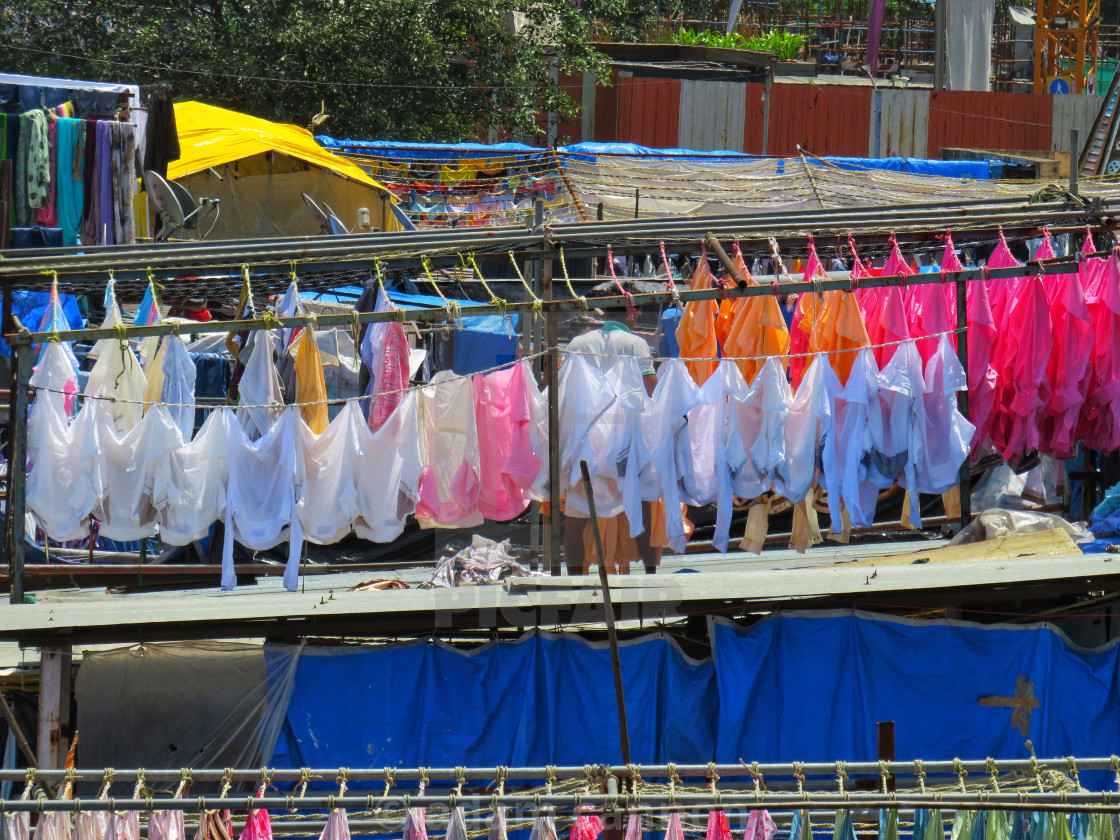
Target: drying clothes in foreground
[[449, 485]]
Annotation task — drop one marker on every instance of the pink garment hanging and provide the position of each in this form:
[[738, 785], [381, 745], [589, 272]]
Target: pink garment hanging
[[415, 824], [885, 314], [1068, 370], [337, 827], [799, 332], [258, 825], [394, 376], [982, 376], [1100, 418], [586, 827], [760, 826], [718, 828], [1021, 358], [674, 831], [509, 463], [634, 827]]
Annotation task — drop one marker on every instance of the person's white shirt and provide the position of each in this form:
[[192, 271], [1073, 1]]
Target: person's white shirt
[[603, 347]]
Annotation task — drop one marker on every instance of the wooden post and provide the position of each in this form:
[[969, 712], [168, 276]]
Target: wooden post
[[17, 470], [54, 705], [886, 749], [965, 476]]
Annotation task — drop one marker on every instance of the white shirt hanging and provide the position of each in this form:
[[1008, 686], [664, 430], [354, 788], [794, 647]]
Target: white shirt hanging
[[898, 423], [328, 498], [584, 398], [117, 373], [199, 482], [387, 474], [809, 428], [64, 483], [261, 505], [948, 433], [450, 484], [170, 379], [848, 456], [756, 449], [666, 438], [135, 468], [259, 394]]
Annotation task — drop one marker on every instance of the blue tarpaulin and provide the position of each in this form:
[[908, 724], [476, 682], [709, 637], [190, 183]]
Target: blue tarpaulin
[[485, 341], [978, 170], [795, 687], [429, 151], [816, 685], [546, 699], [30, 306]]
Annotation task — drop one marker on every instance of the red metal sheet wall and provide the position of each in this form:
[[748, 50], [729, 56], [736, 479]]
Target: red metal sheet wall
[[822, 119], [649, 111], [979, 120], [571, 130], [606, 112]]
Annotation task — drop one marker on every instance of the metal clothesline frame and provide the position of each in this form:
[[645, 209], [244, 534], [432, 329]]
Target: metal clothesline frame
[[542, 246]]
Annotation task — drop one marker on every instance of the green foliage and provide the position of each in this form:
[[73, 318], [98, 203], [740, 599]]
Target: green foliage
[[423, 70], [787, 45]]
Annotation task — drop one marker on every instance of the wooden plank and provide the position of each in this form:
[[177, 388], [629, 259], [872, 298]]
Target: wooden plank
[[1071, 112], [1053, 542], [54, 705]]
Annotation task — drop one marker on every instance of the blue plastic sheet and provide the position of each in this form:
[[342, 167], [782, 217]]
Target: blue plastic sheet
[[429, 151], [980, 170], [546, 699], [30, 306], [815, 687]]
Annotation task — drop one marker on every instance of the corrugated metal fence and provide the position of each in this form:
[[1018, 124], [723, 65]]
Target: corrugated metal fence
[[826, 119]]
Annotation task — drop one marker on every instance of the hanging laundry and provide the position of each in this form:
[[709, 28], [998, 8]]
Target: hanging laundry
[[888, 824], [633, 828], [415, 824], [886, 315], [55, 377], [586, 826], [725, 315], [122, 826], [456, 826], [898, 426], [1021, 359], [709, 424], [800, 827], [171, 381], [696, 333], [259, 389], [63, 485], [758, 333], [1068, 369], [106, 151], [1099, 422], [847, 453], [213, 825], [17, 824], [544, 828], [718, 828], [33, 168], [328, 498], [947, 434], [166, 825], [117, 373], [48, 215], [843, 830], [55, 825], [963, 825], [387, 474], [311, 392], [449, 449], [498, 825], [756, 447], [199, 481], [385, 352], [509, 463], [91, 825], [135, 473], [123, 138], [261, 501], [810, 424], [673, 829], [258, 824], [806, 313], [1100, 827], [760, 826]]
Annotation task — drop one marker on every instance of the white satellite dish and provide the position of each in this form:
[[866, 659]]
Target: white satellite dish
[[175, 206], [321, 218]]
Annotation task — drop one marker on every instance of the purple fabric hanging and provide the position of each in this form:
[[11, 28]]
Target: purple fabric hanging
[[875, 33]]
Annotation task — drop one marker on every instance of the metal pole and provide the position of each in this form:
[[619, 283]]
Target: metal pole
[[939, 44], [767, 86], [555, 527], [17, 470], [965, 476], [637, 201], [1074, 154], [608, 612]]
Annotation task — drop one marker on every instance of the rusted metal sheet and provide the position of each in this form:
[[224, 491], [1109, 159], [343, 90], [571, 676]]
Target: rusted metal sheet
[[712, 115], [996, 121], [904, 124], [571, 131], [648, 111], [606, 111], [822, 119], [1071, 112]]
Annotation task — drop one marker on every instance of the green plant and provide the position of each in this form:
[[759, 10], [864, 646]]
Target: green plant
[[710, 38], [787, 45]]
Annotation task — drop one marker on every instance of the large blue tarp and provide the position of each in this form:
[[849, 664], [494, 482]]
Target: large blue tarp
[[429, 151], [979, 170], [546, 699], [483, 342], [799, 687], [795, 687]]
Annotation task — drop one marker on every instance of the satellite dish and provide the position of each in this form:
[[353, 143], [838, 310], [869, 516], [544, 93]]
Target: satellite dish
[[175, 206], [337, 227], [402, 217], [165, 200], [321, 218]]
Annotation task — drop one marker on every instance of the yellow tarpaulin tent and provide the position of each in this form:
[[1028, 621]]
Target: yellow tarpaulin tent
[[211, 136]]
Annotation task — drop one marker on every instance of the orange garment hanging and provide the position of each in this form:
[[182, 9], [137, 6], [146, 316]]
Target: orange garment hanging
[[728, 307], [838, 328], [311, 386], [757, 331], [696, 333]]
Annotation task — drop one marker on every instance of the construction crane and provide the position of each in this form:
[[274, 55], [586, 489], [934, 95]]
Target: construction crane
[[1065, 45]]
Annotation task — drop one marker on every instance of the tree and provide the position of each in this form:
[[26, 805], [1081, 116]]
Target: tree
[[422, 70]]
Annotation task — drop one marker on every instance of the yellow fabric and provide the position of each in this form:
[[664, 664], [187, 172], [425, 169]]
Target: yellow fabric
[[696, 333], [311, 387], [210, 136]]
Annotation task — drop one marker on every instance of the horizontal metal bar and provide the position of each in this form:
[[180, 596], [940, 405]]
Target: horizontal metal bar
[[852, 768], [837, 280], [728, 800]]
